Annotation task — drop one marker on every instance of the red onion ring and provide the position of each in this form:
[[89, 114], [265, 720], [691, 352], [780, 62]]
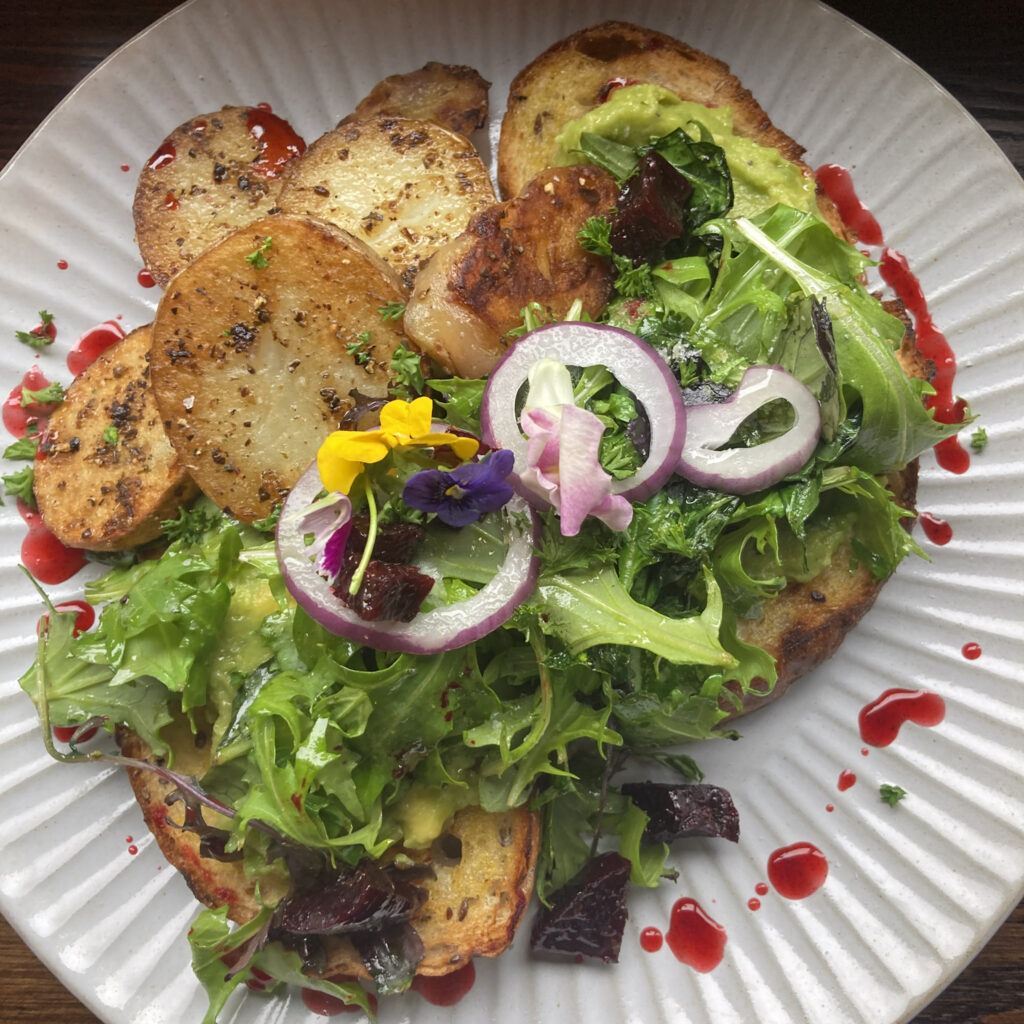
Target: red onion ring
[[745, 470], [441, 629], [634, 364]]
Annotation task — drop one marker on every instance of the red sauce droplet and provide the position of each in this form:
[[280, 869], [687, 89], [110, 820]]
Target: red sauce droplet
[[881, 720], [846, 780], [96, 340], [651, 940], [62, 264], [931, 343], [937, 530], [447, 989], [85, 615], [47, 558], [17, 418], [797, 871], [971, 651], [279, 142], [129, 839], [264, 105], [170, 201], [838, 186], [761, 888], [695, 938], [63, 733], [133, 850], [125, 167], [163, 156], [323, 1004], [145, 278], [830, 808], [754, 903], [864, 751]]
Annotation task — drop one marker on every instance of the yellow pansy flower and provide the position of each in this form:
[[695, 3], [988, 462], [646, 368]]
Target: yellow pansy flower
[[345, 453]]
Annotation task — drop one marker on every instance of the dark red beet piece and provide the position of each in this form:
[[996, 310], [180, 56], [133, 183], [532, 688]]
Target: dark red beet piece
[[354, 899], [587, 915], [677, 811], [388, 591], [391, 588], [651, 209]]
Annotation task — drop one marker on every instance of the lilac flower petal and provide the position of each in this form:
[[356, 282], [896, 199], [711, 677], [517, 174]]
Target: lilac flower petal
[[563, 468], [329, 518], [334, 550]]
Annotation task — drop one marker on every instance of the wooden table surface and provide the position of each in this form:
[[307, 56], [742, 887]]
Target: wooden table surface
[[975, 49]]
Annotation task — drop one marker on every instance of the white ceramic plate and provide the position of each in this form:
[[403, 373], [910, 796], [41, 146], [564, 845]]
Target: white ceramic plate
[[913, 891]]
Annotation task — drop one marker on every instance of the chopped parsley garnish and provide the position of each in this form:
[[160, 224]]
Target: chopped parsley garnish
[[45, 396], [110, 434], [357, 349], [979, 439], [891, 795], [191, 523], [406, 369], [38, 337], [392, 311], [19, 485], [258, 259]]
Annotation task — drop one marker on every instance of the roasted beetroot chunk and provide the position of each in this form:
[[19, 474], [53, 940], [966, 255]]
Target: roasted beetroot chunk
[[587, 916], [677, 811], [392, 589], [651, 210], [351, 900]]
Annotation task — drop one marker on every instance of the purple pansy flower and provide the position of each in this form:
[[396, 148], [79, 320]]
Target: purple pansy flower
[[461, 496]]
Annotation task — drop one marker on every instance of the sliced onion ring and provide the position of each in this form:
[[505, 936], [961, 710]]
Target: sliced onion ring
[[634, 364], [441, 629], [745, 470]]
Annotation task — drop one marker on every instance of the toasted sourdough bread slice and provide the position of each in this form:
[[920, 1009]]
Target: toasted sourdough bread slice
[[212, 174], [476, 898], [573, 75], [107, 475]]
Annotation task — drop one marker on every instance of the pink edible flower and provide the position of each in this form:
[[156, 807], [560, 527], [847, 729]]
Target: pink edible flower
[[562, 454]]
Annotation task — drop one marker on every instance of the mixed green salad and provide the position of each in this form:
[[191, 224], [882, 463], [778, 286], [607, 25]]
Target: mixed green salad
[[618, 633]]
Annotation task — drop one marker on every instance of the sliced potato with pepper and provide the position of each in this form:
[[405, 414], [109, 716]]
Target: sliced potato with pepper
[[453, 95], [212, 174], [107, 475], [256, 346], [405, 187]]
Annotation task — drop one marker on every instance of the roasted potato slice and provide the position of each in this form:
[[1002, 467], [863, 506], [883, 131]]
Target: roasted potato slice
[[256, 346], [471, 293], [212, 174], [404, 187], [107, 475], [475, 900], [452, 95]]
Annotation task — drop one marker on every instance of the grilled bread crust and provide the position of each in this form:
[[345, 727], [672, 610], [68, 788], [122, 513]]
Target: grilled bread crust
[[482, 881], [574, 75]]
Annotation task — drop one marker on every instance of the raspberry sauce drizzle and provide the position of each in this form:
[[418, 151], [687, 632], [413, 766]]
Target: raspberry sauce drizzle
[[937, 530], [95, 341], [896, 272], [445, 989], [797, 871], [695, 938], [881, 720], [278, 141]]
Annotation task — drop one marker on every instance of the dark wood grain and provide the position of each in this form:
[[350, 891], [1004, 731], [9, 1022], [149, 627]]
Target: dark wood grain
[[976, 50]]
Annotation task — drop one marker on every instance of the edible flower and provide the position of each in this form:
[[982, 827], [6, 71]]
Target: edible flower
[[346, 453], [462, 495], [562, 465]]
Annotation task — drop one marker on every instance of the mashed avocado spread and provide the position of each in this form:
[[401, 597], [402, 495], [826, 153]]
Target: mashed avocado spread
[[635, 115]]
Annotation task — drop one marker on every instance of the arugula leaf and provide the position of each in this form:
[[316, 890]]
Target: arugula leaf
[[461, 400]]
